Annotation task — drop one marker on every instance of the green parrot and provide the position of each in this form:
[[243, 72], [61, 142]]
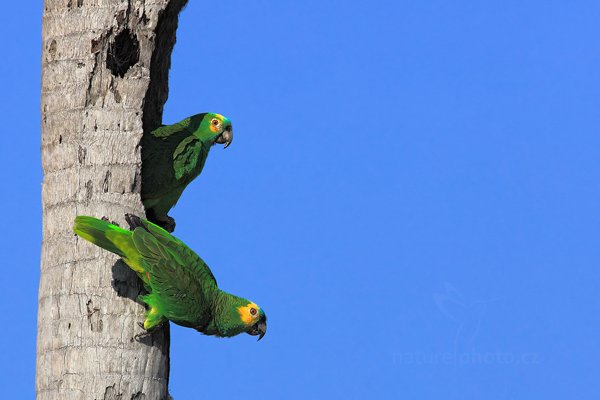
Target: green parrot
[[181, 287], [173, 156]]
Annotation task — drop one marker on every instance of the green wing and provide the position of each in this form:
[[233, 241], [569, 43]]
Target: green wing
[[189, 150], [181, 282], [186, 155], [190, 125]]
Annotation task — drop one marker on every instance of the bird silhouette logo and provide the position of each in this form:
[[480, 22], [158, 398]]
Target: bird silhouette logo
[[467, 314]]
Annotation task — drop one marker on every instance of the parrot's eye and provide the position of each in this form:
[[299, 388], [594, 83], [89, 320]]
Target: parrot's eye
[[215, 122], [253, 311]]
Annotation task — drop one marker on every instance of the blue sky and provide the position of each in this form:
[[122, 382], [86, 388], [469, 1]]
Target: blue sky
[[412, 196]]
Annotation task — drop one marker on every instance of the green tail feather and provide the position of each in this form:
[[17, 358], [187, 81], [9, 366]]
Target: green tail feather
[[108, 236]]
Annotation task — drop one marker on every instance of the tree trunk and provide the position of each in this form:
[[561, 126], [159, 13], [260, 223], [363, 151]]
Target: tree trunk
[[104, 80]]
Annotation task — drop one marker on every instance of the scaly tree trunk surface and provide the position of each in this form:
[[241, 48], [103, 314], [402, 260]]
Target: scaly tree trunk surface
[[104, 80]]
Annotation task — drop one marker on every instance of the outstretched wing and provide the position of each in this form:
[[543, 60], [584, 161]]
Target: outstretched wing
[[180, 280]]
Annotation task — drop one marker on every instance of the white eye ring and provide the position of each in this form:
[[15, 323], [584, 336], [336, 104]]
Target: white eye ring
[[215, 122], [253, 311]]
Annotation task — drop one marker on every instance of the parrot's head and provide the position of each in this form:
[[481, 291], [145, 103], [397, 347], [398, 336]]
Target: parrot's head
[[216, 128], [253, 319]]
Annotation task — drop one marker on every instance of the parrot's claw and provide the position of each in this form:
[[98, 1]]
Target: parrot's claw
[[146, 332], [143, 334], [168, 225]]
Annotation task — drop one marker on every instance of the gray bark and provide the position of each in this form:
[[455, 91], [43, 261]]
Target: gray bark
[[104, 80]]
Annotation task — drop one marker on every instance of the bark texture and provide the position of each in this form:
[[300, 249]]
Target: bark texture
[[104, 80]]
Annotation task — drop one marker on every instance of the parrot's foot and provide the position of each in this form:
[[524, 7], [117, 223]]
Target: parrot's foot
[[146, 332], [167, 224], [138, 337]]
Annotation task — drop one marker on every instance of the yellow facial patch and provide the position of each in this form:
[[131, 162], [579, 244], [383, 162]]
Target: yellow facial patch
[[246, 314], [216, 127]]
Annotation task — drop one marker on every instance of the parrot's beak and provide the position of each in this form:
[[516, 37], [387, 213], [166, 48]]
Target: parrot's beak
[[226, 137], [260, 328]]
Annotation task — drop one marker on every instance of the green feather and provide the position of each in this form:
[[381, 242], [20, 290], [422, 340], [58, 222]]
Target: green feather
[[100, 232], [168, 130], [185, 157]]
